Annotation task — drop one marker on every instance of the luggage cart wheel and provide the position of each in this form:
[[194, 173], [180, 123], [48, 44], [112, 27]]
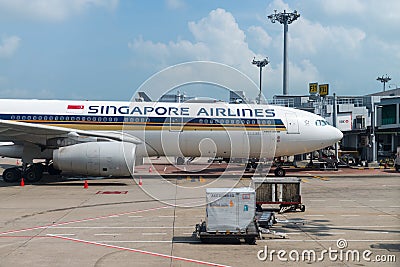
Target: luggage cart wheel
[[303, 208]]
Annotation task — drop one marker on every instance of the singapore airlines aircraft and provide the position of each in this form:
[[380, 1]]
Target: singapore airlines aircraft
[[102, 138]]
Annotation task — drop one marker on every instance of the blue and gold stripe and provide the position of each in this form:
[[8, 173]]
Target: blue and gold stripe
[[85, 122]]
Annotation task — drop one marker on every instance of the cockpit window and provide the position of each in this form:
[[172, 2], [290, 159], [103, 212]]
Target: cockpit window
[[321, 123]]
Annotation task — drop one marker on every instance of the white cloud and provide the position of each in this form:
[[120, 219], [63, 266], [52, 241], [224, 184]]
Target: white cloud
[[8, 46], [311, 37], [175, 4], [340, 7], [278, 5], [51, 9], [259, 37], [219, 38]]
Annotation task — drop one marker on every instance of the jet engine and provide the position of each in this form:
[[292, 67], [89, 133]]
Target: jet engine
[[96, 158]]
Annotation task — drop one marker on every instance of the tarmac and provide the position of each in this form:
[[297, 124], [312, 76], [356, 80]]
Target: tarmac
[[117, 222]]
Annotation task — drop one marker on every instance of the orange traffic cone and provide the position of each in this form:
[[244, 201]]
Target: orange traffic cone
[[140, 181], [86, 185], [150, 169], [22, 182]]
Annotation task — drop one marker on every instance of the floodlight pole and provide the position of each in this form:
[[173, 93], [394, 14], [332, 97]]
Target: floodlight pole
[[285, 19], [261, 64], [384, 80]]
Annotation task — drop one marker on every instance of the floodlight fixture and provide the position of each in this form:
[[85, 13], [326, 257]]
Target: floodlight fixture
[[284, 18], [384, 80], [261, 64]]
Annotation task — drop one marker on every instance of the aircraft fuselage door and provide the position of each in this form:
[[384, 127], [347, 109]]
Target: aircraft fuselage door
[[176, 124], [292, 124]]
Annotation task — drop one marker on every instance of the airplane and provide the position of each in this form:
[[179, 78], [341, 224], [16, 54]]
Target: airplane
[[108, 138]]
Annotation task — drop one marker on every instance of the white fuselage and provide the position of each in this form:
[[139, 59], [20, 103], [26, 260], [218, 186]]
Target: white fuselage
[[188, 129]]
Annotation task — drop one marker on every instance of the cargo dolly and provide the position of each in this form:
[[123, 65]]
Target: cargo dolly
[[284, 192], [249, 235]]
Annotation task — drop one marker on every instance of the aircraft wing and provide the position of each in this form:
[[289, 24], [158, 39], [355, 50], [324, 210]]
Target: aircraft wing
[[22, 132]]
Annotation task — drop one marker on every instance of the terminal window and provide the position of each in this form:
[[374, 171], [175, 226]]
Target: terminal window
[[388, 114]]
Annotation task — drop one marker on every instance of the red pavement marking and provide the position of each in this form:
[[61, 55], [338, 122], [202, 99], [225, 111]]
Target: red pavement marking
[[78, 221], [140, 251], [25, 236]]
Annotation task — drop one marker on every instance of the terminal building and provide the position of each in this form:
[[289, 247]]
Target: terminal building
[[362, 119]]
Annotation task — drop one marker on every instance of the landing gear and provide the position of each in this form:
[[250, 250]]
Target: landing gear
[[34, 173], [31, 173], [12, 175], [252, 164], [279, 172]]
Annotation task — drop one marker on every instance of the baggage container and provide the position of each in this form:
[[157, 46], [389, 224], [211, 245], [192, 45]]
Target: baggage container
[[230, 209]]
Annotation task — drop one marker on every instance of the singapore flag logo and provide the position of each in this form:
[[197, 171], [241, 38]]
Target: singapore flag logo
[[76, 109]]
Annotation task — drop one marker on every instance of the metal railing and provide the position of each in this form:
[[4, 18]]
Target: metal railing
[[288, 102]]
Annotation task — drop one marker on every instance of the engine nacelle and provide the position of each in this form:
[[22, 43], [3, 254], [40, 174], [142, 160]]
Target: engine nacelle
[[96, 158]]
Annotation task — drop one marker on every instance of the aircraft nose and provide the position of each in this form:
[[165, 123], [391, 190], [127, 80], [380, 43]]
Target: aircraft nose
[[337, 135]]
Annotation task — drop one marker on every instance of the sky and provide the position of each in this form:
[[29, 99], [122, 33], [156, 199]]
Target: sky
[[106, 49]]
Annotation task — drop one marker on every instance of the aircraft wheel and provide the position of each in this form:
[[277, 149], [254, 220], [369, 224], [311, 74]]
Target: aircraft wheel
[[34, 173], [180, 161], [279, 172], [248, 167], [11, 175]]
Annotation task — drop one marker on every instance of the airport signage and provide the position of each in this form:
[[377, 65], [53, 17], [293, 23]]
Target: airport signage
[[344, 122], [313, 88], [323, 89]]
